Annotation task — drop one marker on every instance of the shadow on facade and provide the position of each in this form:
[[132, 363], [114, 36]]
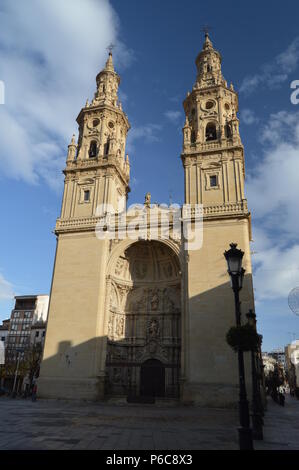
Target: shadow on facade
[[130, 363]]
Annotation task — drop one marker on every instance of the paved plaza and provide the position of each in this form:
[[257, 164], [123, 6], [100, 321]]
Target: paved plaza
[[49, 424]]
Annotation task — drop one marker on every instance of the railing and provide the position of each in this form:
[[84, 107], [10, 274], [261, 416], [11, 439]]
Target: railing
[[215, 210]]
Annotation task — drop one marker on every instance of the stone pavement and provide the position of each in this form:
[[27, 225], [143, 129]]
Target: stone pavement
[[50, 424], [281, 426]]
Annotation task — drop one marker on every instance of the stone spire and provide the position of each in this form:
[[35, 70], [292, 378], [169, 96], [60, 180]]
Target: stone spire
[[107, 85], [208, 43], [109, 67], [208, 63], [72, 147], [101, 146]]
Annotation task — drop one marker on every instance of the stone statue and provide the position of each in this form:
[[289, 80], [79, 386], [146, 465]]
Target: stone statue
[[147, 200], [153, 328], [154, 301]]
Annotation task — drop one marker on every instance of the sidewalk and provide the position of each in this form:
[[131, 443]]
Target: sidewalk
[[281, 429]]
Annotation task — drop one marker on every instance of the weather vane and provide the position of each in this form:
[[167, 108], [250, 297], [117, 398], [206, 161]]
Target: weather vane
[[110, 47], [206, 29]]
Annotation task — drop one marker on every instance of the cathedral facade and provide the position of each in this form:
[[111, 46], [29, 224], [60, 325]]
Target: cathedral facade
[[132, 318]]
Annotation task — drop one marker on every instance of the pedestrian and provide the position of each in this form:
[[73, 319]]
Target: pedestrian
[[281, 398], [34, 392]]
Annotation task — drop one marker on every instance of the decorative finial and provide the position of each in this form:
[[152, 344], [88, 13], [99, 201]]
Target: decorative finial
[[147, 199], [208, 43], [110, 48], [73, 140], [87, 103], [206, 29]]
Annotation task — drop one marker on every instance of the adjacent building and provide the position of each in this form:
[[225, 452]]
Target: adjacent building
[[292, 366], [4, 330], [25, 328], [29, 311]]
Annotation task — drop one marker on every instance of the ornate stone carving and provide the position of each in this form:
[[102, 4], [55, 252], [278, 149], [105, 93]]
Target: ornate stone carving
[[146, 316], [140, 269], [153, 328], [155, 301], [119, 266], [119, 326]]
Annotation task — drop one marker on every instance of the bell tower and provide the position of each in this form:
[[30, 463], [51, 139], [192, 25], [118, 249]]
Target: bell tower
[[213, 161], [213, 156], [97, 177], [97, 171]]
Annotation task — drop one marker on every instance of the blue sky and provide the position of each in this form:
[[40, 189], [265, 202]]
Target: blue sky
[[49, 70]]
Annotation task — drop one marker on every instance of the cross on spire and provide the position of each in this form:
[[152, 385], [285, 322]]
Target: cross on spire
[[110, 48], [206, 29]]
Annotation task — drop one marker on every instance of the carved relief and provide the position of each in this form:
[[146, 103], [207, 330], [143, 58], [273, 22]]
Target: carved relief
[[119, 266], [155, 301], [140, 269], [119, 326], [153, 328], [168, 270], [144, 315]]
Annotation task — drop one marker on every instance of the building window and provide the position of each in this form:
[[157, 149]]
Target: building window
[[37, 334], [86, 195], [211, 133], [228, 131], [193, 137], [209, 104], [106, 147], [44, 333], [213, 181], [93, 149]]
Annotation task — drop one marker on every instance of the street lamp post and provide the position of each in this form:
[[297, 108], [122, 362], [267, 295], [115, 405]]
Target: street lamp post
[[257, 420], [19, 351], [234, 262]]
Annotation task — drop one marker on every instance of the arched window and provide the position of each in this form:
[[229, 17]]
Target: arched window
[[93, 149], [193, 137], [106, 147], [211, 133], [227, 131]]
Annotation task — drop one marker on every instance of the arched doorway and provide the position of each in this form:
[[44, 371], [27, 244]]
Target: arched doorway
[[144, 327], [152, 379]]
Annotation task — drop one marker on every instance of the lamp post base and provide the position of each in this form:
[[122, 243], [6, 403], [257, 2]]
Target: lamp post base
[[245, 439], [257, 427]]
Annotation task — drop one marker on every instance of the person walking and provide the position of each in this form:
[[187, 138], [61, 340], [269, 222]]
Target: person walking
[[34, 392], [281, 397]]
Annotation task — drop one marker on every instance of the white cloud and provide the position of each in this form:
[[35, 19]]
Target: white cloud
[[276, 271], [148, 132], [273, 194], [276, 72], [6, 289], [173, 116], [50, 54], [248, 117]]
